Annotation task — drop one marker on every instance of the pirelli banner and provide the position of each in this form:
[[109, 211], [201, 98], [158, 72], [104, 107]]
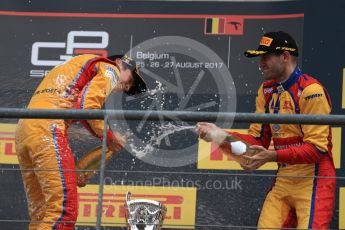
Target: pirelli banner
[[341, 207], [180, 204], [7, 144]]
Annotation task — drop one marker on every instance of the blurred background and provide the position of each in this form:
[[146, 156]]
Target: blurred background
[[191, 54]]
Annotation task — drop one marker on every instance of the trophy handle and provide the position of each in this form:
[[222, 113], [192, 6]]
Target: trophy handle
[[128, 196]]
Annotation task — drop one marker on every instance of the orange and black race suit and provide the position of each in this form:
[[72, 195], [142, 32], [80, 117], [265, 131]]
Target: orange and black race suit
[[42, 147], [303, 192]]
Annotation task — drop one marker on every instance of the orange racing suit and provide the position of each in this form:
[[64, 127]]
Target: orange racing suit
[[44, 155], [302, 196]]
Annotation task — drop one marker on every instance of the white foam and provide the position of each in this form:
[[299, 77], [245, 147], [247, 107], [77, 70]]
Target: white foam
[[157, 135], [238, 147]]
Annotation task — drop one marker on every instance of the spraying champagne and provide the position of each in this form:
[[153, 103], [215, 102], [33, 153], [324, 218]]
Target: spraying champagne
[[230, 144]]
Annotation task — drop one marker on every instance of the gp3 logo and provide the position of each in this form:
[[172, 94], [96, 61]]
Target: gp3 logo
[[72, 46]]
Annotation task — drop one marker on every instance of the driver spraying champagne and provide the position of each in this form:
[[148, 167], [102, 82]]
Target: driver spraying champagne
[[303, 192]]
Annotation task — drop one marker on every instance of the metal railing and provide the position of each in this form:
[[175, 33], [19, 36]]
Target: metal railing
[[168, 116], [173, 115]]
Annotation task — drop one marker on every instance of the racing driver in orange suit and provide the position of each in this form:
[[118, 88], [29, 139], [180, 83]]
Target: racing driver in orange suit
[[45, 158], [302, 195]]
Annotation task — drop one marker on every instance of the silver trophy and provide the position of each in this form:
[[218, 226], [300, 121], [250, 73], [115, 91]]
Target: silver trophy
[[144, 214]]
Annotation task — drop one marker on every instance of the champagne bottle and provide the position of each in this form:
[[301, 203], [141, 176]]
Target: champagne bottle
[[91, 161], [232, 145]]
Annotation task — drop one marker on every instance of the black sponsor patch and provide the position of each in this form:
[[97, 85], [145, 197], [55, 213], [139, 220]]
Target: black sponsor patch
[[313, 96], [47, 91]]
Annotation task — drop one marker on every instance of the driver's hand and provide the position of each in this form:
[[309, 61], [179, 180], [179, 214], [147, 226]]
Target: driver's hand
[[116, 142]]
